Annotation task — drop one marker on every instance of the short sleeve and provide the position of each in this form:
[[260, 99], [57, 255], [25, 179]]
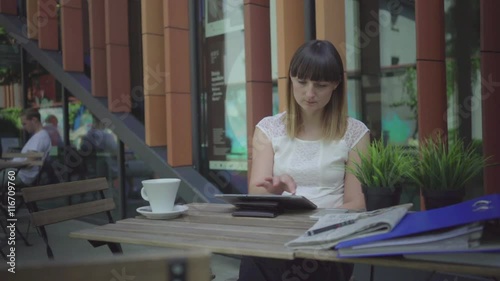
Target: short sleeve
[[39, 142], [355, 131], [272, 126], [265, 126]]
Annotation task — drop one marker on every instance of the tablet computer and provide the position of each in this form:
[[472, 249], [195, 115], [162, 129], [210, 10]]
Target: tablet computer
[[287, 202]]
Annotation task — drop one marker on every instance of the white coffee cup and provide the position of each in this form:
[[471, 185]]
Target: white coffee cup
[[160, 193]]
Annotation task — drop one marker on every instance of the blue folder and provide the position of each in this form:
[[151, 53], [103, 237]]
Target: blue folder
[[479, 209]]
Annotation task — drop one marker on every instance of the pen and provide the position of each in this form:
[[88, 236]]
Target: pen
[[330, 227]]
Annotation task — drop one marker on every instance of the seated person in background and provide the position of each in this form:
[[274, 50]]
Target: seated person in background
[[99, 144], [305, 151], [38, 142], [99, 138], [50, 126]]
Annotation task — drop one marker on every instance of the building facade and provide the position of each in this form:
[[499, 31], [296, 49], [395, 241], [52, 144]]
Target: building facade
[[181, 84]]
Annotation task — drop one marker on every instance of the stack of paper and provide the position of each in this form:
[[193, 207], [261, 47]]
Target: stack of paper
[[333, 228], [461, 227], [460, 238]]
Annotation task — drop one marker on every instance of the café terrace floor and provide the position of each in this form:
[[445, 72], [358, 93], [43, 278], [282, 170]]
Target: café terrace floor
[[224, 267]]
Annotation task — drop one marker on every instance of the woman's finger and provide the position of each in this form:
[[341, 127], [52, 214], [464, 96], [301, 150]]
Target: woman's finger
[[264, 184], [291, 186], [276, 181], [269, 179]]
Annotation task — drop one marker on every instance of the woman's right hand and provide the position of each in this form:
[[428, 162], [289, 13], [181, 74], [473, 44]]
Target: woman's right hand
[[279, 184]]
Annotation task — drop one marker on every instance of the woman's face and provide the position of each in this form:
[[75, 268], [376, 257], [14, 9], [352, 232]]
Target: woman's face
[[312, 95]]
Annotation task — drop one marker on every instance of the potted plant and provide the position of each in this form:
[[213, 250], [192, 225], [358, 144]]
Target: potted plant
[[444, 169], [381, 170]]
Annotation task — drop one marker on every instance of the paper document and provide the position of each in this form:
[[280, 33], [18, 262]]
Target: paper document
[[348, 226]]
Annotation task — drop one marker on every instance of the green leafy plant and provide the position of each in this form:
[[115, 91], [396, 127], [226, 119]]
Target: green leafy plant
[[382, 166], [13, 115], [443, 166], [74, 107]]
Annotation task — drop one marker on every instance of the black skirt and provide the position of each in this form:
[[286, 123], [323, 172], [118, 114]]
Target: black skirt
[[266, 269]]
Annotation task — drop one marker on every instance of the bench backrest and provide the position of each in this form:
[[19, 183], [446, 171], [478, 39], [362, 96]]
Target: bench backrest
[[58, 214]]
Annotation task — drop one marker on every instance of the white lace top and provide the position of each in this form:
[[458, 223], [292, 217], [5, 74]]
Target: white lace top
[[317, 167]]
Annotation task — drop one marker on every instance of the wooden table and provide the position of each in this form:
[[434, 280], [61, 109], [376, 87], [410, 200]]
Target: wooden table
[[32, 158], [13, 164], [211, 226]]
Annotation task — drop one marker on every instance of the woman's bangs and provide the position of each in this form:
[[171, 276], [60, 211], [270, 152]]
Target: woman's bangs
[[315, 68]]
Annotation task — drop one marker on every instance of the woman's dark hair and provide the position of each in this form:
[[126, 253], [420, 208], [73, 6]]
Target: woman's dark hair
[[319, 60]]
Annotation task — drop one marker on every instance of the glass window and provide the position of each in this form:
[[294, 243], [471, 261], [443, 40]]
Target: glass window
[[10, 92], [92, 152], [397, 35], [225, 103], [136, 63], [381, 65], [352, 63], [136, 170], [463, 78], [463, 85]]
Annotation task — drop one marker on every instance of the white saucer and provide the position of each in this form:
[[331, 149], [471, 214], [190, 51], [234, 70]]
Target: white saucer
[[177, 211]]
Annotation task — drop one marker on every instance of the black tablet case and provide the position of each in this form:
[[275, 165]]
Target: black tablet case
[[261, 209], [265, 206]]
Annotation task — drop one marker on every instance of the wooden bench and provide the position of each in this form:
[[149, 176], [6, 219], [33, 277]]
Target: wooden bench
[[41, 218], [186, 266]]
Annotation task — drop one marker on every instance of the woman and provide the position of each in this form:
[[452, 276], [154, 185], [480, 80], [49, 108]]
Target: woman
[[305, 151]]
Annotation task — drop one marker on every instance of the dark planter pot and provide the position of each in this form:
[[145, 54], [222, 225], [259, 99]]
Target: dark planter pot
[[381, 197], [434, 199]]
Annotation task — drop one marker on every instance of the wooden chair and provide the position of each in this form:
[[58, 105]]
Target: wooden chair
[[187, 266], [41, 218], [35, 159]]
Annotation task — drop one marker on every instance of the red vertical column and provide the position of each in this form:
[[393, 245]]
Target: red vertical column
[[117, 55], [431, 68], [290, 35], [8, 7], [153, 59], [97, 41], [259, 86], [330, 25], [177, 84], [32, 19], [48, 33], [72, 35], [490, 92]]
